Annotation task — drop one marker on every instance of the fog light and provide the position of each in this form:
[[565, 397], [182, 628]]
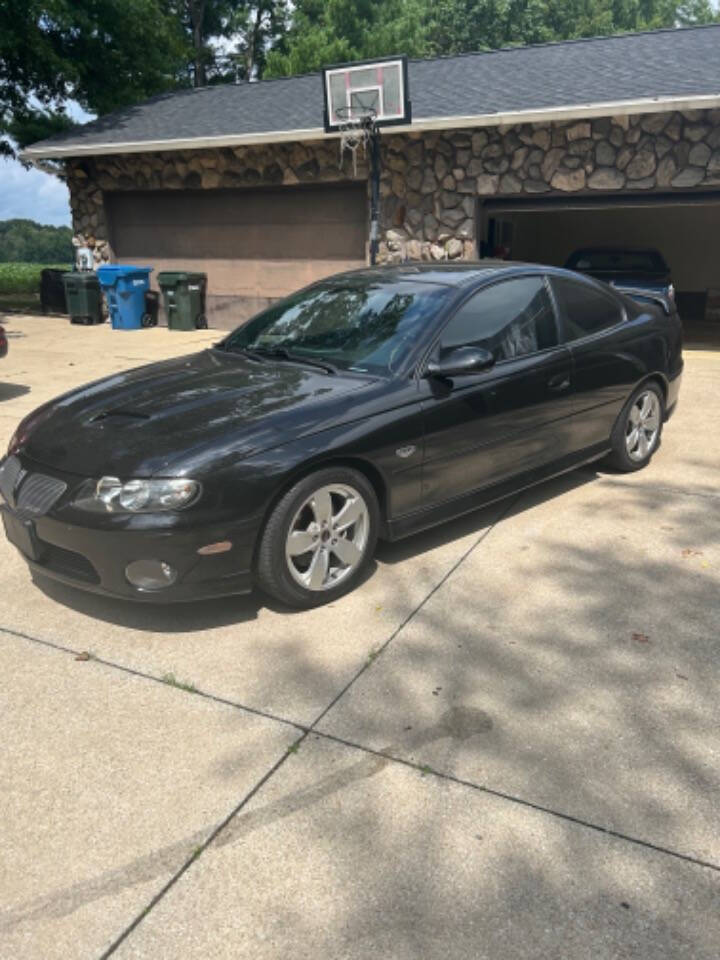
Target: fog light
[[150, 574]]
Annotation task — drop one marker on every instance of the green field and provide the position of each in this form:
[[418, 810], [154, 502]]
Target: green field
[[24, 278]]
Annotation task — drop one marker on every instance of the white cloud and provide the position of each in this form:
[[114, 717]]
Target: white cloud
[[32, 194]]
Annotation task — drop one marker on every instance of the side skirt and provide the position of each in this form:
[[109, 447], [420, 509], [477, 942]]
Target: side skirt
[[433, 516]]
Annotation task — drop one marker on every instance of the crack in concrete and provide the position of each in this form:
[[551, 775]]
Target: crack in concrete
[[457, 723], [175, 856]]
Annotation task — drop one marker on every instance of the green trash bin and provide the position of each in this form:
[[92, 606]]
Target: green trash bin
[[184, 295], [83, 297]]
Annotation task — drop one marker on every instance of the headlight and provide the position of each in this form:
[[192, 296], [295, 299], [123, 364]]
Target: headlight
[[139, 496]]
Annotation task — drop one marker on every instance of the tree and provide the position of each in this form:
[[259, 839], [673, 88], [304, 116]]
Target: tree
[[204, 19], [332, 31], [255, 28], [460, 25], [105, 54], [336, 31], [230, 38], [28, 242]]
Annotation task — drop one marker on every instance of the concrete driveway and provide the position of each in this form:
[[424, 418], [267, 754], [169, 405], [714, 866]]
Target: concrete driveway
[[505, 744]]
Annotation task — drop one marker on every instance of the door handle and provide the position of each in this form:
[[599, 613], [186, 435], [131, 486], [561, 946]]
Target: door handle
[[559, 382]]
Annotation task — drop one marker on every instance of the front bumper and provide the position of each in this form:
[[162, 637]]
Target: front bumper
[[95, 559]]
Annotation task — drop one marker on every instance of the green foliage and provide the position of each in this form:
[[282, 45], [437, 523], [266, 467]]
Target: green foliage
[[255, 28], [24, 277], [105, 54], [25, 240], [334, 31]]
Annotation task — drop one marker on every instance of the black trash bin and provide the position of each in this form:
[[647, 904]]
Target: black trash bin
[[52, 291], [152, 308], [82, 291], [184, 295]]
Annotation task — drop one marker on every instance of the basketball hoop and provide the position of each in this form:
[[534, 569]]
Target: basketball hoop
[[359, 99], [357, 128]]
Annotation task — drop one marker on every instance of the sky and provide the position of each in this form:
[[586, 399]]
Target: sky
[[33, 195]]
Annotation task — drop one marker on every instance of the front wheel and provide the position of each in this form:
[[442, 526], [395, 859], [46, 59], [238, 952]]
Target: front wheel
[[636, 435], [319, 538]]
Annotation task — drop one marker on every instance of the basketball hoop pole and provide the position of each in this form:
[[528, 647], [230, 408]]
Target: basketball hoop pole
[[358, 98], [374, 194]]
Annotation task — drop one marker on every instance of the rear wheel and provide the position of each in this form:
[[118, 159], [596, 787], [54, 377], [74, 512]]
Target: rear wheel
[[319, 539], [636, 435], [201, 322]]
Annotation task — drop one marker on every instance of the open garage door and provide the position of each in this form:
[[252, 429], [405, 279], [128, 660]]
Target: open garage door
[[685, 228], [255, 245]]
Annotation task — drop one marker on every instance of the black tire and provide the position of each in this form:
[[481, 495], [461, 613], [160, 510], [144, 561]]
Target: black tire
[[620, 458], [146, 320], [201, 322], [272, 568]]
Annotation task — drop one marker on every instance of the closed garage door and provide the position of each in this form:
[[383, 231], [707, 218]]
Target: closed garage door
[[254, 245]]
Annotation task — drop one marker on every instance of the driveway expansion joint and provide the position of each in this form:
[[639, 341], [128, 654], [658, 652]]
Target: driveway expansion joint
[[507, 507], [195, 691]]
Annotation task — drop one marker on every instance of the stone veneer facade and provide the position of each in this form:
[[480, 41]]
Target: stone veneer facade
[[431, 182]]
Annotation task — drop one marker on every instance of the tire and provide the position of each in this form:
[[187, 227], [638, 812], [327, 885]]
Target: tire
[[309, 578], [201, 322], [633, 446], [146, 320]]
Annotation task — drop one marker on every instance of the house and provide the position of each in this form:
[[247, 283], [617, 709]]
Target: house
[[534, 150]]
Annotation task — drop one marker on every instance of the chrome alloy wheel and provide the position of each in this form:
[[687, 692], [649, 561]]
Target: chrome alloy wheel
[[327, 537], [643, 426]]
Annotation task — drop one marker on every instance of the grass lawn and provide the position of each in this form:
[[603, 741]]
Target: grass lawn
[[20, 285]]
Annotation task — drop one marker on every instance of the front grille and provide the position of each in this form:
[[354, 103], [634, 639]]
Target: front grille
[[38, 494], [9, 473], [68, 563]]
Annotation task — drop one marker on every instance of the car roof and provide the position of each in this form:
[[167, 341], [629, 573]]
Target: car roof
[[453, 274], [618, 249]]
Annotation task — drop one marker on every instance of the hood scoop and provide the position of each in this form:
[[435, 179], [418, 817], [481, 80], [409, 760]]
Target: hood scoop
[[119, 416]]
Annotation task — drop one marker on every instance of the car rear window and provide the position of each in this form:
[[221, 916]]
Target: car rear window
[[583, 309]]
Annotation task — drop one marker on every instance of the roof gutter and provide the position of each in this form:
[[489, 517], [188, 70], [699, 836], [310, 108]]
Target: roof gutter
[[546, 114]]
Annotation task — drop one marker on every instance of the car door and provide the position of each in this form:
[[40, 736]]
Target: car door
[[483, 428], [609, 355]]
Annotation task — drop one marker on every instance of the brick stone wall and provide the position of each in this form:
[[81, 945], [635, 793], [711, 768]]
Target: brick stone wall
[[431, 182]]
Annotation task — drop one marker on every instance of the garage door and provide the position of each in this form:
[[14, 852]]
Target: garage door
[[685, 228], [254, 245]]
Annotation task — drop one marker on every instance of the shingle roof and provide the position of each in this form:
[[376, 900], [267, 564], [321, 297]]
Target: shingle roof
[[683, 63]]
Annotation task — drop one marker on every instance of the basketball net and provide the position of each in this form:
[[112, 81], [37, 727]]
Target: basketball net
[[356, 131]]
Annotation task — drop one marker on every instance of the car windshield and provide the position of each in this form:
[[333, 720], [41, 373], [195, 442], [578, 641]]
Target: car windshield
[[361, 324], [618, 261]]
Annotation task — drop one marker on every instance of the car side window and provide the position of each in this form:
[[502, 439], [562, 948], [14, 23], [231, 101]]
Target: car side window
[[584, 310], [512, 318]]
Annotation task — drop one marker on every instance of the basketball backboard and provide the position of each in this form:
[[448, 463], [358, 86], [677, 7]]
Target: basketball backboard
[[375, 87]]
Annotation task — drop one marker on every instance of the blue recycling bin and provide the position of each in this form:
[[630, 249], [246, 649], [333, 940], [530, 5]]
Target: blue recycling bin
[[125, 288]]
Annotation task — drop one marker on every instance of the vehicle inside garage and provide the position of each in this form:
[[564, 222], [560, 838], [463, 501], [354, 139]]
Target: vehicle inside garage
[[683, 228]]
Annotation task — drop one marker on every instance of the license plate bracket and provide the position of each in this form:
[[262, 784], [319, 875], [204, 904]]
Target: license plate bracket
[[21, 533]]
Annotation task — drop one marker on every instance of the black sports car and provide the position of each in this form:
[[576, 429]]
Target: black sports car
[[372, 404]]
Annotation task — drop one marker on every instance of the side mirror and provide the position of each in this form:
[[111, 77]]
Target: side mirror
[[462, 361]]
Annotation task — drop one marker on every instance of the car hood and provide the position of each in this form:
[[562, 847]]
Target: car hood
[[149, 420]]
